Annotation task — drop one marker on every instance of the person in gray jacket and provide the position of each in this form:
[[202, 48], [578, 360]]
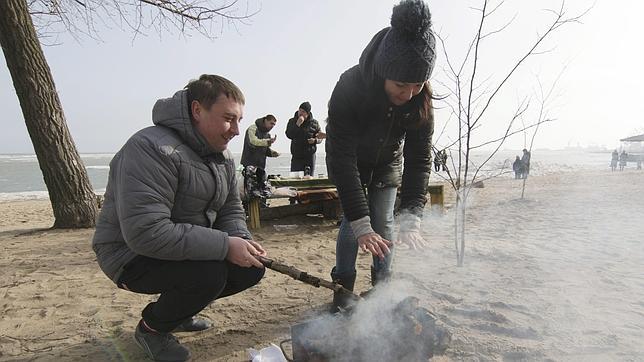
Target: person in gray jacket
[[172, 222]]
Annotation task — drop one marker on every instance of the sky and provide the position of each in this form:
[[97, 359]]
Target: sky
[[293, 51]]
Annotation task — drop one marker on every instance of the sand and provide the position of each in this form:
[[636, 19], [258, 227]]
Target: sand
[[554, 276]]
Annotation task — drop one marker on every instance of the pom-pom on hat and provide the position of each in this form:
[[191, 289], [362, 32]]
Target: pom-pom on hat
[[306, 106], [407, 52]]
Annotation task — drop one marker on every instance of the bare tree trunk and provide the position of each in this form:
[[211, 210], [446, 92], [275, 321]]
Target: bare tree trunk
[[459, 227], [70, 191]]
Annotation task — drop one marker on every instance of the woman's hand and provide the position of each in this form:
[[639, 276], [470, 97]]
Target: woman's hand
[[411, 240], [375, 244]]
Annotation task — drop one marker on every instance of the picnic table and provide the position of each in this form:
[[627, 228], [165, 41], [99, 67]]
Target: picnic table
[[316, 195]]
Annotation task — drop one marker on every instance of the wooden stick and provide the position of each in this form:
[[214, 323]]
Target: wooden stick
[[305, 277]]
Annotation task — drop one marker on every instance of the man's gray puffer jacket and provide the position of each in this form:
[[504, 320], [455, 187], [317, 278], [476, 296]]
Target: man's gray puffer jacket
[[169, 195]]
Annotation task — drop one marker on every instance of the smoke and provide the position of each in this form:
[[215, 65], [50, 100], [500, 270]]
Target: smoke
[[386, 326]]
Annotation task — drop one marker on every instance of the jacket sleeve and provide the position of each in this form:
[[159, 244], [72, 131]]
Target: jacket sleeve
[[252, 137], [341, 147], [417, 166], [231, 217], [293, 131], [145, 188]]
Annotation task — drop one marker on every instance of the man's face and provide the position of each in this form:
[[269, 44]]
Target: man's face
[[302, 113], [269, 124], [400, 93], [219, 124]]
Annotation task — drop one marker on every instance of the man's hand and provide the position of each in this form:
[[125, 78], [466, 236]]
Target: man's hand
[[411, 240], [375, 244], [299, 121], [320, 135], [242, 252], [272, 140], [312, 140]]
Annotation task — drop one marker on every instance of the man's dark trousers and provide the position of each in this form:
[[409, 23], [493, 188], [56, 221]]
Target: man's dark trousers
[[186, 287]]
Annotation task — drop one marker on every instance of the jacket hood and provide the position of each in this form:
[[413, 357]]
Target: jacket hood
[[367, 68], [259, 122], [174, 114]]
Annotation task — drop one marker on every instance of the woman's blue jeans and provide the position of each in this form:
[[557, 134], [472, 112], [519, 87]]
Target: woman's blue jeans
[[381, 202]]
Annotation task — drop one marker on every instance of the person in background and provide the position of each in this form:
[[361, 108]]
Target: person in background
[[517, 167], [613, 160], [444, 159], [305, 134], [623, 157], [438, 157], [376, 107], [525, 159], [172, 222], [257, 142]]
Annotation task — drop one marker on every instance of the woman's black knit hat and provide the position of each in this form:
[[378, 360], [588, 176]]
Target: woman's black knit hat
[[407, 52]]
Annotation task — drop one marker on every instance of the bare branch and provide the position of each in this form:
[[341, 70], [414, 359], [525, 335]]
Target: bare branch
[[500, 29], [139, 16], [558, 22]]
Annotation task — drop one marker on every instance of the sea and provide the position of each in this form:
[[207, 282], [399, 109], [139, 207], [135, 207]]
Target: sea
[[21, 178]]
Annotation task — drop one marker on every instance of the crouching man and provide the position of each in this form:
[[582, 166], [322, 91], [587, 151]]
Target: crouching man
[[172, 222]]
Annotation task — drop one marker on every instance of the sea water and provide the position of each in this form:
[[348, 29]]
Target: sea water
[[21, 178]]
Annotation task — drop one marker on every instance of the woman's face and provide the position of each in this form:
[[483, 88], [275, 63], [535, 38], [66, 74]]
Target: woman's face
[[400, 93]]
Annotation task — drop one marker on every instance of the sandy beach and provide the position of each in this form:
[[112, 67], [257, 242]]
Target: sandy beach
[[554, 276]]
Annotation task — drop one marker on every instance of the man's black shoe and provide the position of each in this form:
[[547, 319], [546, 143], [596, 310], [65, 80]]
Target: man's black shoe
[[193, 325], [160, 346]]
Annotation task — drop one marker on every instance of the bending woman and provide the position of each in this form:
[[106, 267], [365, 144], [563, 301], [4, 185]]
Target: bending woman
[[380, 114]]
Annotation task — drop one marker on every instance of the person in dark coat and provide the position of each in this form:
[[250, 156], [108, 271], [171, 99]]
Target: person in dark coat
[[381, 116], [613, 160], [304, 132], [525, 159], [257, 142], [517, 167], [623, 157], [172, 222], [437, 161], [444, 159]]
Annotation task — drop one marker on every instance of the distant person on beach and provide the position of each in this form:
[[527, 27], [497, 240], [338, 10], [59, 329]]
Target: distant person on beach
[[257, 146], [444, 159], [172, 222], [305, 134], [377, 106], [437, 161], [623, 157], [517, 167], [525, 159], [613, 160]]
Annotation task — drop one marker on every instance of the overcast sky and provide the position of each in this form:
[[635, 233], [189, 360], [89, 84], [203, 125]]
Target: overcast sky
[[293, 51]]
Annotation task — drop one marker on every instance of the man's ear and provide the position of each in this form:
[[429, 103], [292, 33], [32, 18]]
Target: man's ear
[[196, 109]]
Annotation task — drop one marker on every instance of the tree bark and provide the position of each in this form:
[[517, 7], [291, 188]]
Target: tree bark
[[70, 192]]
